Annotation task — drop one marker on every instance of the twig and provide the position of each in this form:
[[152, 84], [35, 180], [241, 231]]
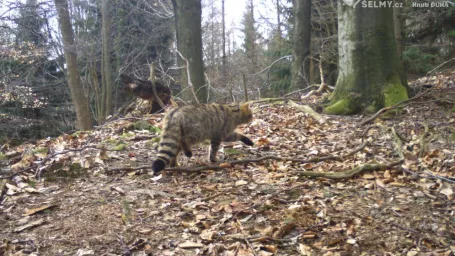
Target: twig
[[422, 143], [270, 68], [251, 247], [3, 193], [405, 228], [300, 90], [245, 91], [190, 84], [152, 80], [442, 64], [428, 175], [398, 143]]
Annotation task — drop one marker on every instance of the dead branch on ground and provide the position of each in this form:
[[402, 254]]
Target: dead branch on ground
[[247, 161], [350, 173]]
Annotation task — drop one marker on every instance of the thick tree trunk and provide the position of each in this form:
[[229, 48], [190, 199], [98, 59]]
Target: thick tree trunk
[[301, 44], [106, 62], [370, 73], [189, 44], [77, 92], [399, 20]]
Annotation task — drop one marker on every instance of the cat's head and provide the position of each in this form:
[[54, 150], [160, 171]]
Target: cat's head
[[246, 113]]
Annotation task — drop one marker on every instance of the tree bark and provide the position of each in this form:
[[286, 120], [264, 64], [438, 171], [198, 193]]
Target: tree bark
[[224, 37], [301, 44], [77, 92], [106, 61], [189, 44], [399, 20], [370, 72]]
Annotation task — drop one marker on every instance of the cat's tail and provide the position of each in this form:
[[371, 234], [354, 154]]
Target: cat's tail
[[170, 146]]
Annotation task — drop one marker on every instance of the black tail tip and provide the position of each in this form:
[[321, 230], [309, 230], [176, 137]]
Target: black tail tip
[[247, 141], [158, 165]]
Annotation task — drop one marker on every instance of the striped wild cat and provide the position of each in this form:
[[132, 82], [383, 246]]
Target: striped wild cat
[[192, 124]]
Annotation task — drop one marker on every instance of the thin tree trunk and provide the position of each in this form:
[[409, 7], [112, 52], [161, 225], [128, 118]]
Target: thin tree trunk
[[301, 44], [106, 61], [189, 44], [278, 19], [77, 92], [224, 35]]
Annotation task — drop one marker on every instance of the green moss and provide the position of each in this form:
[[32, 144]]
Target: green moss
[[40, 150], [3, 157], [394, 92], [150, 143], [77, 133], [127, 135], [145, 125], [119, 147], [232, 151], [156, 139], [110, 141], [341, 107]]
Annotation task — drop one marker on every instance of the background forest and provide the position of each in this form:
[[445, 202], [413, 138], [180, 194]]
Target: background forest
[[353, 127], [125, 37]]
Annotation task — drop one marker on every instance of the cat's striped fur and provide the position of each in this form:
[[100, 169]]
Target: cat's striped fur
[[192, 124]]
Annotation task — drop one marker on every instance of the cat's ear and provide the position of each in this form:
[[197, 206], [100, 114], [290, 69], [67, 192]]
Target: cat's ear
[[245, 107]]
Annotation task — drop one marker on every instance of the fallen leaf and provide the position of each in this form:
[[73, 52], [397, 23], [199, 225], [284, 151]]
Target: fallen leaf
[[447, 191], [190, 245], [208, 235], [241, 183], [29, 225], [29, 212]]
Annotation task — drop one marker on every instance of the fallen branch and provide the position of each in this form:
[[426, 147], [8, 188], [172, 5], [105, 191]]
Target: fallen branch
[[307, 109], [350, 173], [245, 161], [322, 87]]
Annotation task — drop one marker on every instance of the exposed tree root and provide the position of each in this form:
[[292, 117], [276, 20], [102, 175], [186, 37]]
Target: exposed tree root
[[399, 105]]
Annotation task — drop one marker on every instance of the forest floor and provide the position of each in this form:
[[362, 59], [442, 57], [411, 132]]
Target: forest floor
[[70, 197]]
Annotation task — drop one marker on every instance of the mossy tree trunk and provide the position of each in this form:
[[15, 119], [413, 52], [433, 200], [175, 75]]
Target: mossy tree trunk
[[370, 72], [301, 45], [189, 43]]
